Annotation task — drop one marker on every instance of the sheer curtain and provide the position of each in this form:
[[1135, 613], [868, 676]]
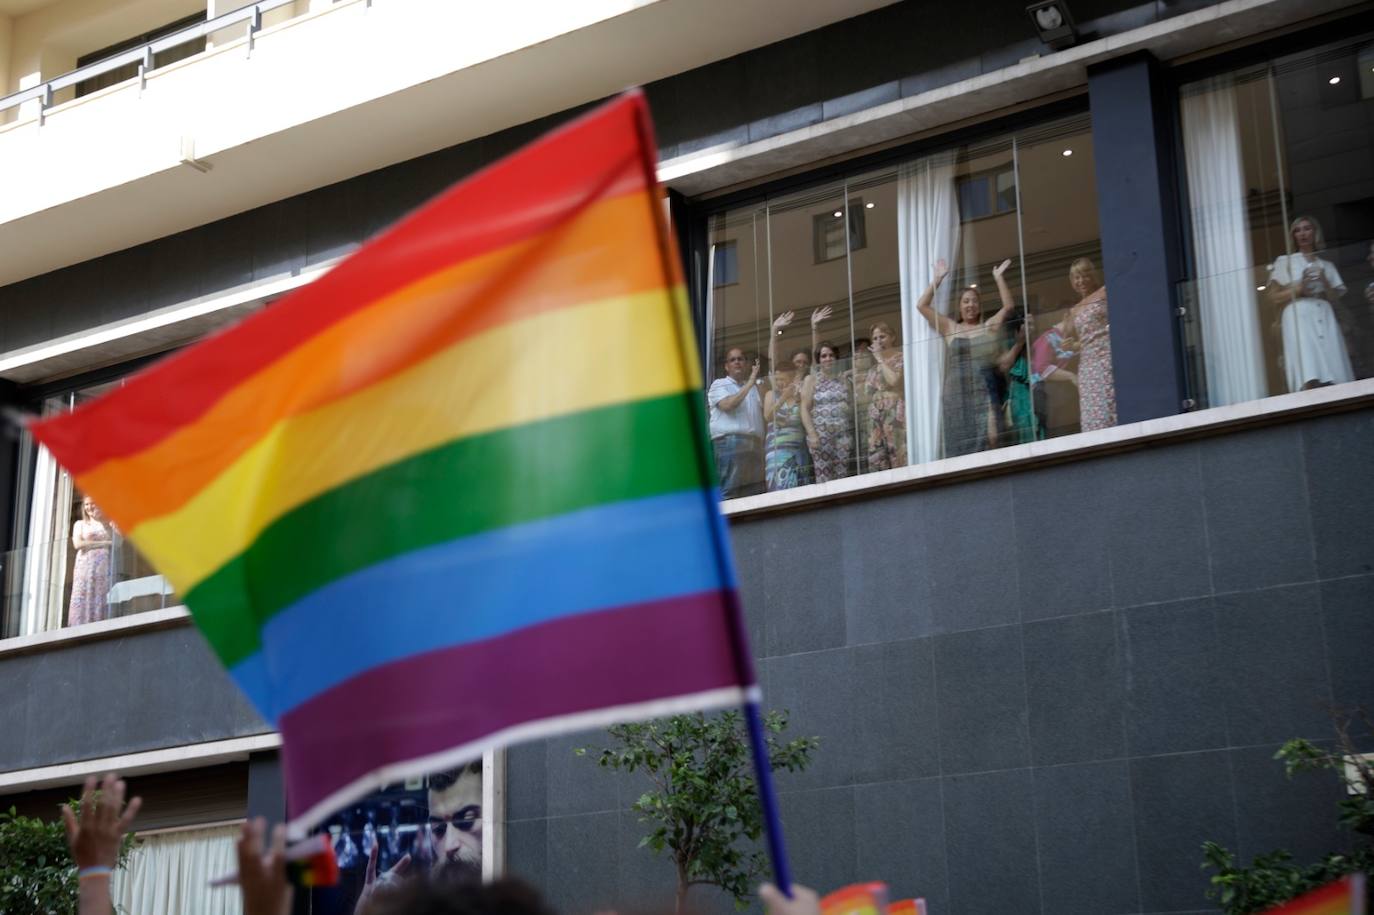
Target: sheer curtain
[[168, 874], [1228, 314], [927, 229]]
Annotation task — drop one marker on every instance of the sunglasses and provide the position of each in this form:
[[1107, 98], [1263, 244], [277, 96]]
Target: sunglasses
[[463, 821]]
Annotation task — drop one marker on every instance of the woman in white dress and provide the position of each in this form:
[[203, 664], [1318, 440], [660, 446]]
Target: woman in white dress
[[1306, 285]]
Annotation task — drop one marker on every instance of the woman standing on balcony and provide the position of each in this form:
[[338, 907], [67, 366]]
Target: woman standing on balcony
[[1306, 286], [1088, 324], [970, 397], [828, 414], [887, 400], [91, 538], [787, 462]]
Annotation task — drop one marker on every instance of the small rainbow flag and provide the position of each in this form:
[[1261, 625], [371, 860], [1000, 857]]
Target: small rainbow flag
[[1345, 896], [456, 492]]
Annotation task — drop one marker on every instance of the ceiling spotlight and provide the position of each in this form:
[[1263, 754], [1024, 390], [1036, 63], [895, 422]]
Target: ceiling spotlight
[[1066, 153], [1261, 288], [1053, 23], [869, 206], [1334, 81], [837, 214]]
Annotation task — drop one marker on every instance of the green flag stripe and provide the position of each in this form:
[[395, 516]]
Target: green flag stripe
[[481, 483]]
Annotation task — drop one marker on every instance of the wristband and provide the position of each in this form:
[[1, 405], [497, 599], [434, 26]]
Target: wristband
[[97, 871]]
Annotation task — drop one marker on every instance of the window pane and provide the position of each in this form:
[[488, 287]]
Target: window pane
[[1070, 345], [1280, 200], [737, 314], [809, 298], [876, 279], [75, 566]]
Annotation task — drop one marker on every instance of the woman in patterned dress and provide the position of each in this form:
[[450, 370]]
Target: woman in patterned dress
[[1088, 322], [91, 538], [828, 414], [887, 406], [786, 460], [971, 395]]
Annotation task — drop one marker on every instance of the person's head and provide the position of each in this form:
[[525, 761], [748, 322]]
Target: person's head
[[736, 363], [970, 306], [882, 336], [863, 356], [1083, 277], [90, 511], [1307, 234], [455, 819], [801, 362], [827, 356], [459, 896]]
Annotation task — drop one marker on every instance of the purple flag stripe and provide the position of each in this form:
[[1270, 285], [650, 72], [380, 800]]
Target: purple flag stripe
[[425, 705]]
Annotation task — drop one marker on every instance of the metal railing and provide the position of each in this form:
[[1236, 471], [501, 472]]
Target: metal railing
[[143, 55]]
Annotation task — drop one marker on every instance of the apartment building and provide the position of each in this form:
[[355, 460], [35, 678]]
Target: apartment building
[[1064, 319]]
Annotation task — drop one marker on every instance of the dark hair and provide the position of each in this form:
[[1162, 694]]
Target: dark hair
[[824, 344], [442, 781], [463, 895], [798, 352]]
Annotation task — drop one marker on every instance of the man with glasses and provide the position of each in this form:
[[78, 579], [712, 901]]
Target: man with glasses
[[737, 426]]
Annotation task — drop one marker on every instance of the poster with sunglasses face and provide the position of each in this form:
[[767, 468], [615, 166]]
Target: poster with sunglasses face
[[429, 826]]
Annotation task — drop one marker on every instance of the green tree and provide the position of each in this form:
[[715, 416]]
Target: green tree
[[37, 874], [1275, 878], [704, 808]]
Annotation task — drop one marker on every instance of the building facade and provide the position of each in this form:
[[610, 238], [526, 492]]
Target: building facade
[[1058, 525]]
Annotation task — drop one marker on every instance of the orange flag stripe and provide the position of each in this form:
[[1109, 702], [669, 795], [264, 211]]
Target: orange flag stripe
[[580, 262]]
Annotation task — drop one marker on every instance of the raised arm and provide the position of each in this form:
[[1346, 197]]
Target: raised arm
[[1003, 290], [940, 323], [779, 323], [817, 316]]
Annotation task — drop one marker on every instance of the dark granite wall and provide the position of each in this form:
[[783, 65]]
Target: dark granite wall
[[1038, 692]]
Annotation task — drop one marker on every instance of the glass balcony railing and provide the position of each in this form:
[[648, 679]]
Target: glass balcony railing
[[1295, 323], [54, 585]]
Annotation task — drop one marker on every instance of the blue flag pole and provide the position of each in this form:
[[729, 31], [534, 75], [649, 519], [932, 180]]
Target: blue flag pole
[[768, 800]]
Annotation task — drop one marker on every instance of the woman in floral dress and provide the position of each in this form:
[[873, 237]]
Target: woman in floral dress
[[786, 460], [1088, 322], [91, 538], [828, 414], [887, 407]]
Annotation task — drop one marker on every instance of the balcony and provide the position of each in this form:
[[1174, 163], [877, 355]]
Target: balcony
[[333, 93]]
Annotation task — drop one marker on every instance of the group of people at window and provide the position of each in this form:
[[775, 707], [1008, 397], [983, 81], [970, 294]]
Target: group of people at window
[[814, 420]]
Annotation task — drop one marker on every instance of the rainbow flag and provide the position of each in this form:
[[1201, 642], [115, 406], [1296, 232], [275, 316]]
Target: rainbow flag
[[1345, 896], [454, 493]]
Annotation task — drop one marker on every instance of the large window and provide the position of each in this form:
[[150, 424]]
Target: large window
[[936, 307], [72, 565], [1281, 208]]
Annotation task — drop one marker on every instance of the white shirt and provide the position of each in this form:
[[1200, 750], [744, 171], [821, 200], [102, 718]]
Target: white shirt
[[745, 419]]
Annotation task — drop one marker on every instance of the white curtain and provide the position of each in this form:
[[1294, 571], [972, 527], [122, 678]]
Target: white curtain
[[169, 874], [1228, 313], [927, 229], [45, 556]]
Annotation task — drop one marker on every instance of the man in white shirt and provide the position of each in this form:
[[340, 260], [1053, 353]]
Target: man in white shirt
[[737, 427]]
